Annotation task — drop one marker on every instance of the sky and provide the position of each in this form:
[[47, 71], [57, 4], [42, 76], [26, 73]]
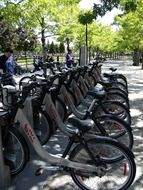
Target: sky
[[107, 19]]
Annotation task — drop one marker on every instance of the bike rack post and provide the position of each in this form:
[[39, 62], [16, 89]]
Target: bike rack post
[[4, 170]]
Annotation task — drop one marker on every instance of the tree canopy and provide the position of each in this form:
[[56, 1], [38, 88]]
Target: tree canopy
[[26, 22]]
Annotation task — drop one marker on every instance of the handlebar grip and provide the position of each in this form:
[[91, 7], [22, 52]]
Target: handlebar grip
[[27, 89]]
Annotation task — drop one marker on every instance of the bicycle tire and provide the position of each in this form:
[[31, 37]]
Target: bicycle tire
[[116, 89], [120, 86], [115, 128], [114, 108], [42, 126], [15, 140], [120, 78], [119, 175], [118, 97]]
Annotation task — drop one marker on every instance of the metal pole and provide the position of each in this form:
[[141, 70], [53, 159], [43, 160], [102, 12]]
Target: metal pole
[[86, 35], [4, 170]]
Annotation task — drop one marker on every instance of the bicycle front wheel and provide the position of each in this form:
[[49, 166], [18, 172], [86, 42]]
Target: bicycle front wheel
[[118, 175], [115, 128], [118, 97], [115, 108]]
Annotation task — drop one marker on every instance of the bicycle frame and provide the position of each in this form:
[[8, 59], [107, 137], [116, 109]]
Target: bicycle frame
[[31, 138], [78, 94], [70, 104]]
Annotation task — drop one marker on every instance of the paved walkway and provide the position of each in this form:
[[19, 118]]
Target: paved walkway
[[61, 181], [135, 81]]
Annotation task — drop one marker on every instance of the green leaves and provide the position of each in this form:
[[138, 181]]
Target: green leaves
[[104, 6], [132, 27], [85, 17]]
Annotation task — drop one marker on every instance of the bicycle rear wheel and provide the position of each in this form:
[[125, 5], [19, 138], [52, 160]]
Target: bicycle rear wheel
[[15, 150], [42, 126], [118, 175]]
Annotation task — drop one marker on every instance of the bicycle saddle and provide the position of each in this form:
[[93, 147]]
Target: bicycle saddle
[[112, 69], [82, 125]]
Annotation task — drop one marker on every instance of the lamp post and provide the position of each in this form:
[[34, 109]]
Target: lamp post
[[85, 19], [86, 35], [86, 41]]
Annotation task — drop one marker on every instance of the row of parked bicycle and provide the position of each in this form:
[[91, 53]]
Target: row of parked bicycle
[[90, 108]]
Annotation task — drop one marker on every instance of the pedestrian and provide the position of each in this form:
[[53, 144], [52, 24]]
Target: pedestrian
[[7, 66], [3, 59], [69, 58]]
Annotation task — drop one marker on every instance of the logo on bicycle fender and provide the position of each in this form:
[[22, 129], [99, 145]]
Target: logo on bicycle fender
[[29, 133]]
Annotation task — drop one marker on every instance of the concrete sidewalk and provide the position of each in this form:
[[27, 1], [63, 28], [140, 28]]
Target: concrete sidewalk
[[134, 75], [61, 181]]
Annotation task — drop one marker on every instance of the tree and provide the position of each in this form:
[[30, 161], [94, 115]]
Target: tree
[[131, 32], [61, 48], [26, 40], [86, 18], [104, 6], [40, 12], [56, 48], [13, 34], [52, 48], [7, 35]]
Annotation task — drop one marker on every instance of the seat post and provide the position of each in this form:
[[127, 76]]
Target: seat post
[[4, 170]]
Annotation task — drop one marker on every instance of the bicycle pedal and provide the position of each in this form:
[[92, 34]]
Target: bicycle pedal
[[39, 171]]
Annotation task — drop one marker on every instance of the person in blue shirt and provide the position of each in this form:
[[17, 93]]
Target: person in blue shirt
[[8, 71], [69, 58]]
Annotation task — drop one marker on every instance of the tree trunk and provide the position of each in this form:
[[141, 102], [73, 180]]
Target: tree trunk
[[136, 57], [26, 60], [43, 45], [43, 39]]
